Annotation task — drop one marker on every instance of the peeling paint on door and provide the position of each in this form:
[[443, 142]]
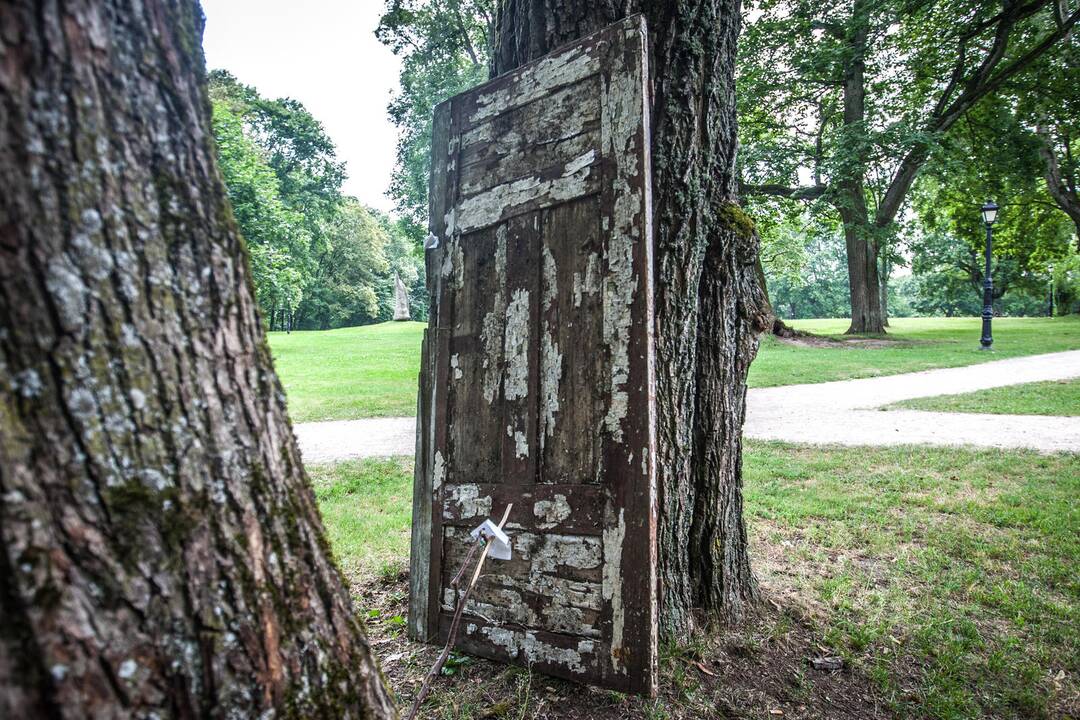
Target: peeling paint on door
[[536, 386]]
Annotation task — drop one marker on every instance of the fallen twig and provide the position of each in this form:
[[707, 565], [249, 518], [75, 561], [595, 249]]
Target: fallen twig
[[437, 667]]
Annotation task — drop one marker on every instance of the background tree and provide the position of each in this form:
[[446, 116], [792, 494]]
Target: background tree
[[319, 259], [350, 268], [444, 47], [162, 551], [278, 242], [1067, 286], [843, 103], [295, 145], [1047, 104], [817, 286], [989, 154], [709, 305]]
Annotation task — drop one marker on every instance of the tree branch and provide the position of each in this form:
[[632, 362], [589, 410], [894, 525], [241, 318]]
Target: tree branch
[[979, 86], [465, 34], [776, 190], [1019, 13], [834, 29]]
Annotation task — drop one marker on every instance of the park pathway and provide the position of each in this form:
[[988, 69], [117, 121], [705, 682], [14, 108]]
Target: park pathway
[[845, 412]]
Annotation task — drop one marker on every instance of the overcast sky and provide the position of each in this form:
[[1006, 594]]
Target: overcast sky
[[324, 54]]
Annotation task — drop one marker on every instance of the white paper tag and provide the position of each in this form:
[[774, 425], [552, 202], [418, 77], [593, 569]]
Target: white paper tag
[[500, 541]]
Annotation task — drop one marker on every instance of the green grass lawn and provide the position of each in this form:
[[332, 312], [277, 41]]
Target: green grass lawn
[[371, 371], [359, 372], [367, 508], [920, 344], [948, 576], [1056, 397]]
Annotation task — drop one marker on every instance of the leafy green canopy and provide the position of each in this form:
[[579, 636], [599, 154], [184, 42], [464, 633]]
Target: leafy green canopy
[[444, 47], [277, 238], [989, 155], [843, 102], [319, 259]]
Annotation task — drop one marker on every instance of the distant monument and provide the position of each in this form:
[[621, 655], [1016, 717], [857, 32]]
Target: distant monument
[[401, 299]]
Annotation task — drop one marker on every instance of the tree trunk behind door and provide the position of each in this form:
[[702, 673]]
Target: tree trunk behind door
[[862, 248], [162, 554], [709, 304]]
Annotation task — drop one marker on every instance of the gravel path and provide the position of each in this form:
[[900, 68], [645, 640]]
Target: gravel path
[[845, 412], [840, 413]]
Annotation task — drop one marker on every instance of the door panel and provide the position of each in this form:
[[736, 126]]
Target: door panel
[[537, 381]]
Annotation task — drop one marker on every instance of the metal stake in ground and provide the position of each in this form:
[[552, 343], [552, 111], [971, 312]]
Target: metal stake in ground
[[464, 598]]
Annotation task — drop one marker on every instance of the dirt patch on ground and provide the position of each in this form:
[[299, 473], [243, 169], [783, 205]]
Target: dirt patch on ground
[[821, 341], [764, 669]]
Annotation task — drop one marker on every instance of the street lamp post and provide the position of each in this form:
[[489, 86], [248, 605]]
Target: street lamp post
[[989, 213]]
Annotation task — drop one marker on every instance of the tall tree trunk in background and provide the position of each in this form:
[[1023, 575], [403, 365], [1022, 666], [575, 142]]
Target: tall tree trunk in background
[[162, 551], [709, 304], [864, 283]]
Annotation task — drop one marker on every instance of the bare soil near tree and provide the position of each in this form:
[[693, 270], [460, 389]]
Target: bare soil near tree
[[764, 668]]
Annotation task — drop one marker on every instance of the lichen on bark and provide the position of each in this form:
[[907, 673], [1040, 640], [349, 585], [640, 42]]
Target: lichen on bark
[[162, 553]]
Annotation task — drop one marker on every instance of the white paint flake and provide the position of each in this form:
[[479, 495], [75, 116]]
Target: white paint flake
[[570, 658], [589, 283], [551, 512], [470, 502], [504, 638], [553, 71], [449, 600], [491, 206], [612, 585], [439, 473], [582, 552], [580, 162], [551, 364], [550, 357], [491, 334], [621, 122], [459, 265], [521, 442], [516, 346]]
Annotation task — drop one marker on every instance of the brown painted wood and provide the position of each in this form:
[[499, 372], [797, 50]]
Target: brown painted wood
[[538, 372], [574, 508]]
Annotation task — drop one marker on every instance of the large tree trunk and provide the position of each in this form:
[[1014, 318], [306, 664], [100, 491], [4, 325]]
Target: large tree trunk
[[863, 281], [162, 554], [709, 304], [862, 251]]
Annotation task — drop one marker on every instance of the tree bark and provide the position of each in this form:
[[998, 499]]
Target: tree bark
[[709, 304], [862, 249], [163, 554]]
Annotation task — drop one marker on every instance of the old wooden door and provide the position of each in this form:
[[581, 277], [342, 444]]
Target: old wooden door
[[537, 378]]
